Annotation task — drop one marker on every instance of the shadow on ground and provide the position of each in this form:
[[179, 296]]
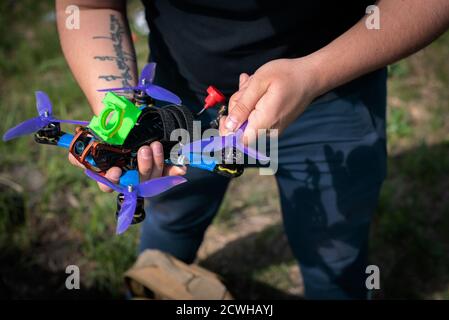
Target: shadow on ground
[[409, 241], [410, 238], [23, 278], [32, 266], [237, 262]]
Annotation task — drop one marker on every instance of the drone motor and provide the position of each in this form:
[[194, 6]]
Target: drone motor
[[139, 212]]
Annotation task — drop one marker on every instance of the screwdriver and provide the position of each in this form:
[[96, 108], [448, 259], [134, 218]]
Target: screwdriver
[[213, 98]]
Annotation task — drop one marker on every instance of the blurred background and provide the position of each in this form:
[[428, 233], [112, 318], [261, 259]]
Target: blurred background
[[51, 216]]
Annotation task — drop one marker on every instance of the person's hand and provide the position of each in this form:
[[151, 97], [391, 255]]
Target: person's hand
[[274, 96], [150, 160]]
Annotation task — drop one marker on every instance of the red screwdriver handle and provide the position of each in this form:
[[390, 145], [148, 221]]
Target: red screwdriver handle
[[213, 98]]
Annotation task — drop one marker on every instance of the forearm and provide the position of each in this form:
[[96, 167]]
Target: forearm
[[100, 53], [406, 27]]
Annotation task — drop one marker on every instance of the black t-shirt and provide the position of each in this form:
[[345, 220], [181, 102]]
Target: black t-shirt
[[197, 43]]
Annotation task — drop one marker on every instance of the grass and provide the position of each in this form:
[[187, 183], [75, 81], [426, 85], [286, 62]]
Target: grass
[[52, 216], [55, 193]]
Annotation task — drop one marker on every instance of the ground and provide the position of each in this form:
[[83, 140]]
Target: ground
[[53, 216]]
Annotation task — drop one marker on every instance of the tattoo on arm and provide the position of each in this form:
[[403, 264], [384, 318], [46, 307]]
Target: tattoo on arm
[[121, 58]]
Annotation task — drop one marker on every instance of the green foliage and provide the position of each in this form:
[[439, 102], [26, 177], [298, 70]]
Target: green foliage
[[31, 59], [410, 237], [399, 70], [276, 275], [398, 123]]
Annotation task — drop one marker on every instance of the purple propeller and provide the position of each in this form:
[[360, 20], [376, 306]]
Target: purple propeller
[[44, 110], [145, 189], [146, 84], [217, 143]]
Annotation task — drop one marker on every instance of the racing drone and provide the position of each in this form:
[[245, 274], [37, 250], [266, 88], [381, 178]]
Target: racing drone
[[124, 125]]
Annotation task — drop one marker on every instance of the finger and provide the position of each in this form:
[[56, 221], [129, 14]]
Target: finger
[[158, 159], [145, 162], [75, 162], [112, 175], [240, 109], [174, 170], [234, 98], [263, 116], [250, 133], [221, 126], [243, 84], [243, 79]]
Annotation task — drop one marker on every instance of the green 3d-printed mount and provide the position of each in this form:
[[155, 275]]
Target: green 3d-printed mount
[[116, 120]]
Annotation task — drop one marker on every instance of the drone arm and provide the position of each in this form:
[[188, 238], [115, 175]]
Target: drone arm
[[130, 177], [208, 163], [65, 140]]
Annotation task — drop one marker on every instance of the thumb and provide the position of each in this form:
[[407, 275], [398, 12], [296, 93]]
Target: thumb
[[241, 108]]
